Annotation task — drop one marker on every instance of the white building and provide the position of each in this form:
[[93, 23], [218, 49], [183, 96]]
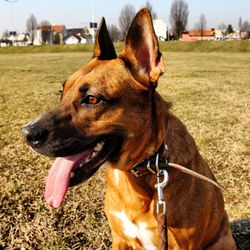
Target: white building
[[22, 40], [15, 39], [75, 39], [160, 29], [38, 37]]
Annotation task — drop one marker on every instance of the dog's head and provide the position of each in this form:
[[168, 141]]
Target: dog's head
[[105, 110]]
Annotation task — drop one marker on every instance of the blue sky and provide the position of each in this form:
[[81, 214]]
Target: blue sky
[[77, 13]]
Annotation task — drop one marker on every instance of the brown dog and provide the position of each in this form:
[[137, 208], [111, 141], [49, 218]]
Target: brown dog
[[110, 113]]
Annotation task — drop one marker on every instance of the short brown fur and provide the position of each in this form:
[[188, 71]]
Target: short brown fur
[[195, 209]]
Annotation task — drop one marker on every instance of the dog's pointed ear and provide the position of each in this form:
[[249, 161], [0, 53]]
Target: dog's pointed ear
[[141, 51], [104, 48]]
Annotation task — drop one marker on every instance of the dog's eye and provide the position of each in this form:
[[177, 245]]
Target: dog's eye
[[90, 99]]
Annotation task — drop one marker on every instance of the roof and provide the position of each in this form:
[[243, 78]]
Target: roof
[[72, 35], [56, 28], [5, 41], [75, 30], [206, 32]]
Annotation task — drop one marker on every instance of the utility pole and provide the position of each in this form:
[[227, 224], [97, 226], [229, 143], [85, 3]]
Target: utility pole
[[93, 21], [12, 13]]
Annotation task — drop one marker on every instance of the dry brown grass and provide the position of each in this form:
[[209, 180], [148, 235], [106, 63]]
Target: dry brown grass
[[210, 93]]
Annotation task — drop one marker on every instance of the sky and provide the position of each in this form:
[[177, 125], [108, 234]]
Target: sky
[[78, 13]]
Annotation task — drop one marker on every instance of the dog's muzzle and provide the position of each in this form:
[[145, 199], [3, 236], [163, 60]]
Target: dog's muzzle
[[34, 135]]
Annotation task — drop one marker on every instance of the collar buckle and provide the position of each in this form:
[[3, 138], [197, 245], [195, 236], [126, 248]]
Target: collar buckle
[[152, 165], [150, 169], [136, 173]]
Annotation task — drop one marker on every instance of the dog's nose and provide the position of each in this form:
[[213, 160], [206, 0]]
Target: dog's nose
[[34, 135]]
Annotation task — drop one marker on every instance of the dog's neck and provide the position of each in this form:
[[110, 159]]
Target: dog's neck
[[119, 172], [168, 129], [146, 142]]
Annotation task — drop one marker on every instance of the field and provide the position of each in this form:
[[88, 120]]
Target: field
[[173, 46], [210, 93]]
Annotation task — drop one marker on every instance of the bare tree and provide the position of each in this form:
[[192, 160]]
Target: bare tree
[[240, 23], [222, 26], [114, 33], [31, 25], [245, 26], [240, 27], [201, 25], [5, 34], [149, 6], [45, 23], [126, 16], [46, 31], [246, 30], [179, 17]]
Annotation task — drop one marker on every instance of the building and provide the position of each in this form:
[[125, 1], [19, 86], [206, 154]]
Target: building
[[22, 40], [76, 39], [48, 34], [197, 35], [220, 35], [160, 29], [234, 36], [15, 39], [4, 42], [78, 35]]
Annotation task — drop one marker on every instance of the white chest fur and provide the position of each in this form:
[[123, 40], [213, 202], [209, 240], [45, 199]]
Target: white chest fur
[[138, 230]]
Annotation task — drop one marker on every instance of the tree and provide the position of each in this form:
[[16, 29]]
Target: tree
[[245, 30], [222, 26], [45, 23], [46, 31], [57, 38], [31, 25], [240, 27], [244, 27], [5, 34], [178, 17], [240, 23], [114, 33], [149, 6], [230, 29], [201, 25], [126, 16]]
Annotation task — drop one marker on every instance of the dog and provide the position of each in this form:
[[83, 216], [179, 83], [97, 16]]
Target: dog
[[111, 114]]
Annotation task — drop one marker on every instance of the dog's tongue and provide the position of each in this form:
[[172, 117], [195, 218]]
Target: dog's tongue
[[59, 178]]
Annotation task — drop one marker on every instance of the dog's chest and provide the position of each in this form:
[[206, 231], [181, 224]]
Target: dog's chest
[[130, 215], [137, 231]]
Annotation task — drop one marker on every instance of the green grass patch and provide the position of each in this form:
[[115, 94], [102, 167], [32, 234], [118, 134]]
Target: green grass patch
[[210, 94], [206, 46], [173, 46]]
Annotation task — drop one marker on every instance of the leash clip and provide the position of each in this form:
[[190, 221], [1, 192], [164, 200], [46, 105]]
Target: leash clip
[[161, 204]]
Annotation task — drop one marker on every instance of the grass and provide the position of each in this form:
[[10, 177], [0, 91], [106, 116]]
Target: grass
[[176, 46], [210, 93]]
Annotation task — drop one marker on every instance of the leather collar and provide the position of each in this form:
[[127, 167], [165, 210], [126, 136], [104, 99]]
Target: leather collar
[[153, 164]]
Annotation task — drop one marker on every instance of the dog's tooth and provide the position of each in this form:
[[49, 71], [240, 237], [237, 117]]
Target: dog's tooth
[[98, 147], [72, 174], [81, 165], [87, 160]]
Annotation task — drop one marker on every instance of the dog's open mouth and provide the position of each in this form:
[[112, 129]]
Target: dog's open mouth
[[72, 170]]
